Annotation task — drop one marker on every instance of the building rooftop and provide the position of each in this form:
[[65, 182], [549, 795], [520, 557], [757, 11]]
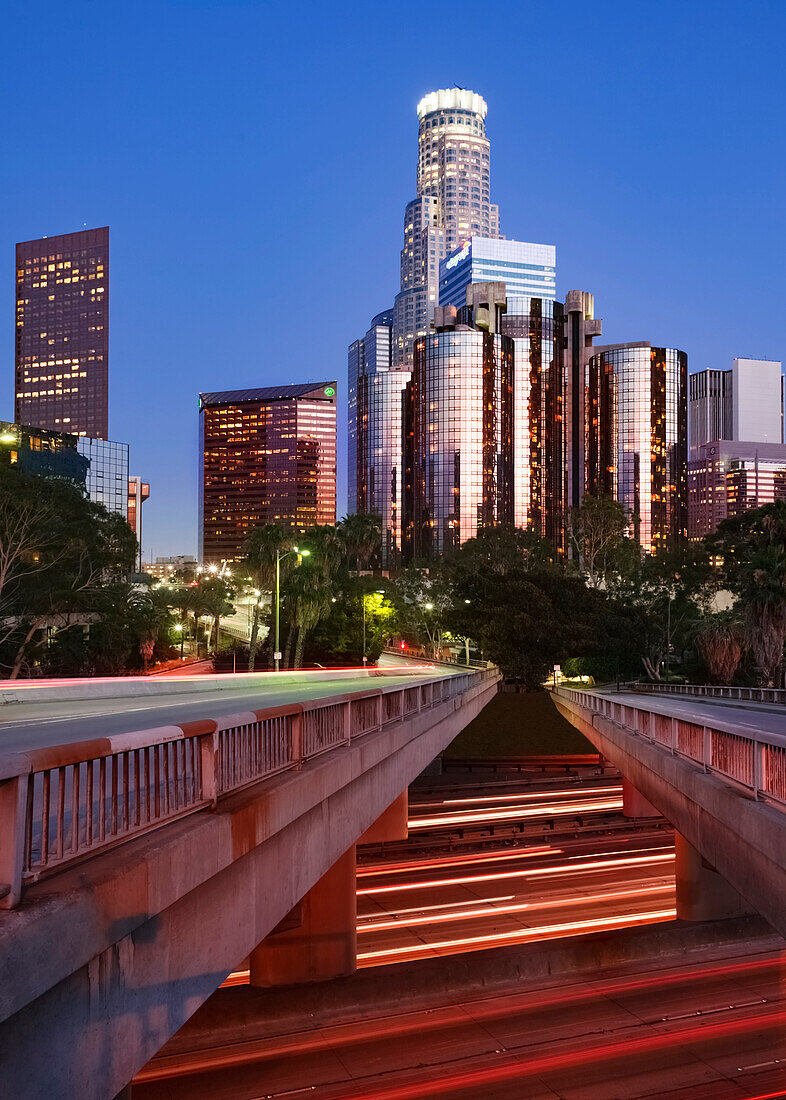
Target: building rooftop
[[269, 393]]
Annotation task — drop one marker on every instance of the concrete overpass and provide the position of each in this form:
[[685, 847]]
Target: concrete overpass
[[140, 867], [717, 771]]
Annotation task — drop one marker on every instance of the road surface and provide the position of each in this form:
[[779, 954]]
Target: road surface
[[702, 1030], [762, 717], [36, 725]]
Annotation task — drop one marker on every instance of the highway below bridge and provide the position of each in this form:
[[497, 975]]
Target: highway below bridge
[[154, 834]]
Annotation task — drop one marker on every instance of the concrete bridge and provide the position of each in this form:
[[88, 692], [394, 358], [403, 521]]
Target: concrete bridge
[[140, 867], [715, 767]]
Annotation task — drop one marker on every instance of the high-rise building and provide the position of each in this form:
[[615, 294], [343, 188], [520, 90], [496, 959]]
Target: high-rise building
[[727, 478], [568, 415], [97, 466], [374, 455], [62, 333], [709, 408], [453, 204], [638, 439], [529, 321], [43, 453], [527, 270], [744, 403], [138, 493], [757, 400], [459, 427], [266, 456], [107, 474]]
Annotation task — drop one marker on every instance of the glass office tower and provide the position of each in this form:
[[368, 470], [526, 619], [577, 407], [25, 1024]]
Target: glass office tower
[[374, 454], [266, 456], [526, 269], [638, 437], [459, 427], [62, 333], [453, 203]]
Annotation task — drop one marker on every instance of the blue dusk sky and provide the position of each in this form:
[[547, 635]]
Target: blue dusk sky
[[253, 160]]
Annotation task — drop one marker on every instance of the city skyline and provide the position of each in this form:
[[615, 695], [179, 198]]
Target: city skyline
[[649, 248]]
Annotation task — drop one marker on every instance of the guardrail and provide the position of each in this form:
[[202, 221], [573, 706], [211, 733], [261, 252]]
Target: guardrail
[[715, 691], [416, 654], [60, 805], [755, 761]]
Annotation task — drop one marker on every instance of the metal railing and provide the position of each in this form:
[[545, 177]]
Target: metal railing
[[715, 691], [753, 760], [61, 805]]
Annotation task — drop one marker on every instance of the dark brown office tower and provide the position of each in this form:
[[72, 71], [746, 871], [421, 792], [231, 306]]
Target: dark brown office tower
[[568, 418], [62, 333], [267, 456]]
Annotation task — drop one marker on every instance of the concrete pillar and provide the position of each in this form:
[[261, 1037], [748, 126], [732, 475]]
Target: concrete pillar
[[393, 824], [702, 894], [318, 939], [634, 804]]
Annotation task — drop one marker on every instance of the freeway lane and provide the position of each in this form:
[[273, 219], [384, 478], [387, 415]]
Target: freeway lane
[[709, 1029], [26, 725], [763, 718]]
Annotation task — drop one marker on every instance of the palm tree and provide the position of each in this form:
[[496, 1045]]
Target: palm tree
[[719, 642], [216, 602], [308, 601], [264, 545], [362, 537], [765, 596]]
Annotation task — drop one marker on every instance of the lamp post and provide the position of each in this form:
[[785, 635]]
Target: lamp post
[[179, 629], [279, 559]]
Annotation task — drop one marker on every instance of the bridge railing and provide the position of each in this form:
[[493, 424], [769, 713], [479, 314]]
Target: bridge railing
[[753, 760], [716, 691], [61, 805]]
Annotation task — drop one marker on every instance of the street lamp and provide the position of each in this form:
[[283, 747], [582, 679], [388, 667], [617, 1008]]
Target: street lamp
[[179, 629], [279, 559]]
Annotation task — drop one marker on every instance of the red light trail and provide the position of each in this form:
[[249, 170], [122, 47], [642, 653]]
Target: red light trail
[[523, 935], [535, 872]]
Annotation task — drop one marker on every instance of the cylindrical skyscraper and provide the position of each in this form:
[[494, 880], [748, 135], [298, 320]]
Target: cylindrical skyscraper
[[452, 205]]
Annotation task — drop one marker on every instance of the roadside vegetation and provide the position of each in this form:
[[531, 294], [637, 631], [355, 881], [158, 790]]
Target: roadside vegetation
[[71, 605]]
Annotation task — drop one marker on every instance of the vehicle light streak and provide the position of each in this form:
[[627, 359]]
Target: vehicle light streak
[[434, 908], [567, 792], [452, 861], [473, 1081], [487, 1008], [535, 872], [468, 817], [523, 935], [374, 923]]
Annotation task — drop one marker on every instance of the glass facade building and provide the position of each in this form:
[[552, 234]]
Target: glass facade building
[[62, 333], [97, 466], [43, 453], [374, 454], [107, 474], [459, 428], [638, 437], [266, 456], [527, 270], [452, 204]]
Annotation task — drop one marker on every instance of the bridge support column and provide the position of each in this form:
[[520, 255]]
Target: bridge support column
[[393, 824], [702, 894], [634, 804], [318, 939]]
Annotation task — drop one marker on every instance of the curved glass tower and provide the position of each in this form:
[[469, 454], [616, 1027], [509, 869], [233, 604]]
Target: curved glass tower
[[453, 204]]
